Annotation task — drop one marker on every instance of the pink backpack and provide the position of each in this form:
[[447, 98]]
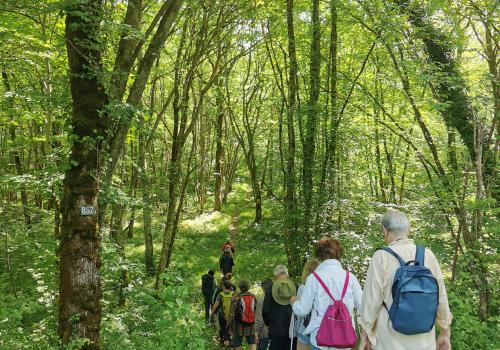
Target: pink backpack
[[336, 328]]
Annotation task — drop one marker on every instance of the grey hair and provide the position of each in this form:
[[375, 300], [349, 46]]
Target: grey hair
[[396, 222], [280, 270]]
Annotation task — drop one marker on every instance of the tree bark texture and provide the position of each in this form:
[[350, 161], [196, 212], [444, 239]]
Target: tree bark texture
[[79, 277], [290, 200]]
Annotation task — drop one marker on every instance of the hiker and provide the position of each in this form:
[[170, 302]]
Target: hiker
[[228, 246], [226, 263], [222, 307], [277, 311], [208, 286], [300, 323], [416, 331], [229, 276], [242, 317], [219, 289], [327, 283], [215, 295], [261, 330]]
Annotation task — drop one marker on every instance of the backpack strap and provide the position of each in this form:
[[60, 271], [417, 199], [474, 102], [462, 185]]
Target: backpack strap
[[420, 255], [393, 253], [324, 286], [346, 284]]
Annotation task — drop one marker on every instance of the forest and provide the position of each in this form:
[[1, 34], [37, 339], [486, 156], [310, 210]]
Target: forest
[[136, 136]]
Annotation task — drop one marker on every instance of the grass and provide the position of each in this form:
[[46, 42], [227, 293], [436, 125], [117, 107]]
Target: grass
[[28, 296], [198, 242]]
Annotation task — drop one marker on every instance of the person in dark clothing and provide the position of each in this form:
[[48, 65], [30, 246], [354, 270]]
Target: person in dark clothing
[[207, 288], [277, 311], [228, 246], [226, 263], [261, 329]]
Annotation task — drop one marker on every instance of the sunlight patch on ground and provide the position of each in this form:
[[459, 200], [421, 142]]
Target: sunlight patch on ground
[[139, 249], [206, 222]]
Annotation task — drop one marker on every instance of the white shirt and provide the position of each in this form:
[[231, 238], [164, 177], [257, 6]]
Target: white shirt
[[378, 285], [316, 299]]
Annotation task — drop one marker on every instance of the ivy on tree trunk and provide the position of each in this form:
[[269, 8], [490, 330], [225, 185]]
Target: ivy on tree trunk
[[79, 277]]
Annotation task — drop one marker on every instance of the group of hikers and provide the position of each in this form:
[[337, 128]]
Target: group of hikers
[[404, 296]]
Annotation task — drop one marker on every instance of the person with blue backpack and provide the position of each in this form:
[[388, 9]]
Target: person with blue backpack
[[404, 294]]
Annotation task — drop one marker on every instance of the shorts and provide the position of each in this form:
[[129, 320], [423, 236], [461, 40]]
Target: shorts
[[238, 339], [304, 339]]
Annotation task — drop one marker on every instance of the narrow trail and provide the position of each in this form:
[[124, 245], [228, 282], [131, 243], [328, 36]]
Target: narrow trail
[[233, 225]]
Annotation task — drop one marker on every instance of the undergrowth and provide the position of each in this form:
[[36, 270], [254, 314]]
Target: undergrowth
[[173, 318]]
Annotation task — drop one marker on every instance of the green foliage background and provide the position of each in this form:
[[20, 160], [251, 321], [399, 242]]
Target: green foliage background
[[38, 108]]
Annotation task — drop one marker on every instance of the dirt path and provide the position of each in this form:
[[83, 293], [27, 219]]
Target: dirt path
[[234, 223]]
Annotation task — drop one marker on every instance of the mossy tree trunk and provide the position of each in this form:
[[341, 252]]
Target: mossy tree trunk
[[79, 277], [290, 199], [451, 90]]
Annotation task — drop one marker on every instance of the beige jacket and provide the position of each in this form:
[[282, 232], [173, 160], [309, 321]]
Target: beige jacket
[[374, 317]]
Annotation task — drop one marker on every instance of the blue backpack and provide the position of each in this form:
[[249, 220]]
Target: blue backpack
[[415, 294]]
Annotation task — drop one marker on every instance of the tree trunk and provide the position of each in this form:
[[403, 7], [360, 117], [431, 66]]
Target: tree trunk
[[331, 153], [257, 193], [309, 145], [491, 48], [290, 201], [15, 153], [266, 168], [170, 8], [383, 190], [173, 178], [181, 203], [202, 177], [391, 171], [168, 234], [116, 221], [147, 208], [403, 175], [451, 89], [233, 160], [477, 220], [79, 277], [219, 150], [134, 181]]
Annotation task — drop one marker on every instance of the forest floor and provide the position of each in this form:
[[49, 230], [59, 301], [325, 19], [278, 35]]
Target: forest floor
[[170, 319], [197, 247], [174, 318]]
